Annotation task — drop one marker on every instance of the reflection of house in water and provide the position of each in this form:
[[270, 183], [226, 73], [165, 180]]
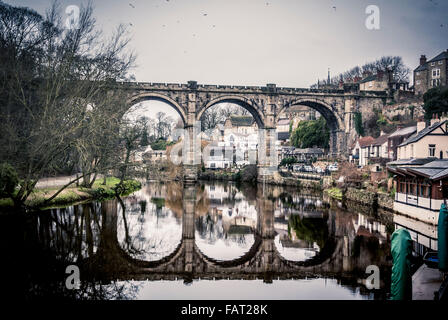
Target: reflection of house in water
[[370, 228], [423, 235], [298, 207]]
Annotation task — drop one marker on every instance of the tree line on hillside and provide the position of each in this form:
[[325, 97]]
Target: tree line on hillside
[[61, 110], [395, 64]]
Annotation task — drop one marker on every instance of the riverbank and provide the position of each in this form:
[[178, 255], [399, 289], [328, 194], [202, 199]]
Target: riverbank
[[362, 196], [73, 195]]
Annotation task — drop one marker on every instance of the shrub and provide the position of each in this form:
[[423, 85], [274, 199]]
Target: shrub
[[8, 180]]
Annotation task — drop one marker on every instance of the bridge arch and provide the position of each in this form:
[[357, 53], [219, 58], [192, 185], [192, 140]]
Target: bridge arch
[[244, 102], [334, 121], [326, 110], [148, 96]]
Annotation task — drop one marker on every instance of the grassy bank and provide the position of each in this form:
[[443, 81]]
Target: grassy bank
[[75, 194], [335, 193]]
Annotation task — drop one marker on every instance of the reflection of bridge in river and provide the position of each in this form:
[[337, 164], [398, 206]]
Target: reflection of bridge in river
[[187, 261]]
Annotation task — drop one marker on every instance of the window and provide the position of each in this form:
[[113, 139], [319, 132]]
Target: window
[[441, 154], [441, 62], [435, 82], [419, 82], [435, 73], [432, 150], [433, 64], [417, 73]]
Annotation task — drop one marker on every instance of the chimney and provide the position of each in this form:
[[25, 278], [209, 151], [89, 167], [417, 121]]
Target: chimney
[[379, 75], [434, 119], [422, 59], [420, 126]]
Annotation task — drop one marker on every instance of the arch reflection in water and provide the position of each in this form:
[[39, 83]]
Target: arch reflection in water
[[301, 224], [227, 230], [150, 222]]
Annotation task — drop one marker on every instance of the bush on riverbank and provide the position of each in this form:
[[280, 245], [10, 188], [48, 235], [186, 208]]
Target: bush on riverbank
[[335, 193]]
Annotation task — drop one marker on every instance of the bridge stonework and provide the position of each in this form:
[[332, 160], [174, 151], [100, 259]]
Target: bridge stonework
[[265, 104]]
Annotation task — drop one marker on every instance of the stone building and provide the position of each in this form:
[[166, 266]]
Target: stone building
[[432, 73]]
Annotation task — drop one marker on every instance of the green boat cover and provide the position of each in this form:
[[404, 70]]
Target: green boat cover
[[442, 239], [401, 282]]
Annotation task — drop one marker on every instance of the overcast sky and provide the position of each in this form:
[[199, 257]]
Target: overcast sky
[[249, 42]]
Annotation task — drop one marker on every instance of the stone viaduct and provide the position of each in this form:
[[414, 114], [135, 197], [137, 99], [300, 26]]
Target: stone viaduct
[[187, 262], [265, 104]]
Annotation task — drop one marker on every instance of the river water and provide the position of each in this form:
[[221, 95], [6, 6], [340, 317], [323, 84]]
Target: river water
[[206, 241]]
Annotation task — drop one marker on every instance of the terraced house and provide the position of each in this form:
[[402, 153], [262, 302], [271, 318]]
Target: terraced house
[[432, 73]]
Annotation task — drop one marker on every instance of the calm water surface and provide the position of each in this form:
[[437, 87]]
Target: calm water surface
[[208, 241]]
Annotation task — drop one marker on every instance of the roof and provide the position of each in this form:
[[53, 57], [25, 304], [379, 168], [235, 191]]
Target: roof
[[434, 170], [441, 56], [283, 122], [421, 68], [380, 140], [417, 136], [403, 132], [309, 150], [241, 120], [283, 135], [365, 141], [369, 78], [412, 161]]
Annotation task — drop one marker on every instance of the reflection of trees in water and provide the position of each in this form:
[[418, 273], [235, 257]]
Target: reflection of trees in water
[[309, 229]]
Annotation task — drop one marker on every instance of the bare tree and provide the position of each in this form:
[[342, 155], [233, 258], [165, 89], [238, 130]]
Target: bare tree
[[54, 92]]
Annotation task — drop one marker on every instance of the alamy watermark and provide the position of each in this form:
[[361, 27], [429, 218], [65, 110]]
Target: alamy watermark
[[72, 20], [72, 282], [373, 280], [373, 18]]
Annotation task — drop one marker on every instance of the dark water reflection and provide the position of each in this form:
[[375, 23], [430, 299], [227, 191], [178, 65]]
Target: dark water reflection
[[168, 241]]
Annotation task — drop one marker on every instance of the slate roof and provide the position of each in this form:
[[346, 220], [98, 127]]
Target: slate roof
[[417, 136], [369, 78], [434, 170], [380, 140], [421, 68], [412, 161], [283, 122], [403, 131], [241, 120], [308, 151], [441, 56], [283, 135]]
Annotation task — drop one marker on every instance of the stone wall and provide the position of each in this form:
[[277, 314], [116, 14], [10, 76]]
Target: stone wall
[[369, 198]]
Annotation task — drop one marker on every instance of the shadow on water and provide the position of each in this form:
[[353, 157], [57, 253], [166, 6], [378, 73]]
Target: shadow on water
[[208, 231]]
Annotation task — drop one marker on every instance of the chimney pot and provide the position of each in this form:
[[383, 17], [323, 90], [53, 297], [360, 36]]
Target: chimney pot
[[422, 59]]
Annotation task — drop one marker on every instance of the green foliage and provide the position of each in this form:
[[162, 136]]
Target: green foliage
[[381, 120], [313, 133], [289, 160], [435, 101], [358, 124], [247, 174], [411, 109], [8, 180], [159, 145], [392, 193], [159, 202], [312, 230], [335, 193], [127, 187], [145, 139]]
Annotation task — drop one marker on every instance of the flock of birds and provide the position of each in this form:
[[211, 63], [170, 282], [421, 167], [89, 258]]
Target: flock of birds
[[267, 4]]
